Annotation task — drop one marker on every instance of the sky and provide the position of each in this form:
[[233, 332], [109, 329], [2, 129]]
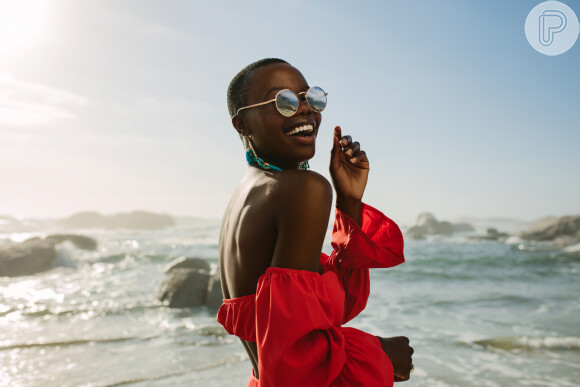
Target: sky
[[120, 106]]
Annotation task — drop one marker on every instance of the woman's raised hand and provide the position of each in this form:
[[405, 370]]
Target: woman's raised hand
[[349, 167]]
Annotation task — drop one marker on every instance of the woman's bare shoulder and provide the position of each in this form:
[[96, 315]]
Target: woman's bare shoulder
[[302, 217], [305, 181]]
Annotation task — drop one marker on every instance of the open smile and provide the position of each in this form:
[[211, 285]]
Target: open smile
[[305, 128]]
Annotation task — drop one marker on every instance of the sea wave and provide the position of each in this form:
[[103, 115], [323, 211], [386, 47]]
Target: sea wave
[[510, 343], [64, 343]]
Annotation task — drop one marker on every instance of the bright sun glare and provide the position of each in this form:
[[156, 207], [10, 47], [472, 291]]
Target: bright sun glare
[[21, 22]]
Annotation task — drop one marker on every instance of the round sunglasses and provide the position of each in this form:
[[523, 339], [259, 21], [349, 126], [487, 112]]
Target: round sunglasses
[[287, 101]]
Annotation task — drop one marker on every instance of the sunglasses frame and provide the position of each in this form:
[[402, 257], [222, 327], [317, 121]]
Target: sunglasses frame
[[276, 97]]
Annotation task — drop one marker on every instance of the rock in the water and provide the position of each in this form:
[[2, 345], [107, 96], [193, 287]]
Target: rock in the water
[[190, 283], [444, 227], [491, 234], [184, 262], [463, 227], [416, 232], [552, 228], [427, 220], [80, 241], [184, 288], [35, 255], [26, 258], [214, 292], [427, 224]]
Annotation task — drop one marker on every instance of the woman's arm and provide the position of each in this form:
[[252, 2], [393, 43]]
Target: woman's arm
[[305, 199], [378, 243], [350, 207], [299, 335]]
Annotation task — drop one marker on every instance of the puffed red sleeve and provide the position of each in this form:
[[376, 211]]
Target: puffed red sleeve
[[378, 242], [301, 341]]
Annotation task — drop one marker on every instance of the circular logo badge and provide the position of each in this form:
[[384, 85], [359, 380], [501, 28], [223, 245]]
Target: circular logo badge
[[552, 28]]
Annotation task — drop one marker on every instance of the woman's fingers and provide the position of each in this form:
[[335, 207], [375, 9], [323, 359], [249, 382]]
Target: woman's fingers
[[354, 153], [350, 148], [358, 156], [353, 148], [344, 141]]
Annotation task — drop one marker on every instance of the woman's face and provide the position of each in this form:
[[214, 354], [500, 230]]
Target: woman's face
[[268, 127]]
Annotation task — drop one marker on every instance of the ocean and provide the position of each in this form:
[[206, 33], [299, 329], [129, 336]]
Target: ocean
[[478, 313]]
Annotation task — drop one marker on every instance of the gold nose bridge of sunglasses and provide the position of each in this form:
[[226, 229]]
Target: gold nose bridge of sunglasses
[[302, 98]]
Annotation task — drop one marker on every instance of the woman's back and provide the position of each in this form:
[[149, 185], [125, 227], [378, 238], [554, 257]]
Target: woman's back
[[248, 234], [249, 241], [246, 241]]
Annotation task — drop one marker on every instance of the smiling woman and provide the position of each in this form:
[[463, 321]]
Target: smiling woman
[[21, 22], [283, 298]]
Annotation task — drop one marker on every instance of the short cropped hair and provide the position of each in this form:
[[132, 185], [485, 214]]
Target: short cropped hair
[[238, 88]]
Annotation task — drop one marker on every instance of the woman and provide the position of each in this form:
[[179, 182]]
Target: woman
[[283, 298]]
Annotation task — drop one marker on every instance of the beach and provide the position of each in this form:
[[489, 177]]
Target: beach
[[477, 312]]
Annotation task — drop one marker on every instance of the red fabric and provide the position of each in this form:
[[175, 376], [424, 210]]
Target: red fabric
[[238, 316], [377, 243], [253, 382], [296, 316]]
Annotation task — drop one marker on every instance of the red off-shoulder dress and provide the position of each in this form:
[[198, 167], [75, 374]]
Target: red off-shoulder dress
[[296, 316]]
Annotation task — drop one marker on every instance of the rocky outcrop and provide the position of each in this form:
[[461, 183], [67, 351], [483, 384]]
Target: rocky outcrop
[[462, 227], [190, 283], [188, 263], [25, 258], [80, 241], [427, 224], [184, 288], [36, 255], [491, 234], [214, 296], [550, 229], [136, 220]]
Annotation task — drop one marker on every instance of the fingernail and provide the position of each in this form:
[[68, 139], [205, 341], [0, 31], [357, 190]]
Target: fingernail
[[349, 152], [343, 142], [352, 160]]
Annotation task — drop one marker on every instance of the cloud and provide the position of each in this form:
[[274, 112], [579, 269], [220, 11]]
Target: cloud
[[25, 103]]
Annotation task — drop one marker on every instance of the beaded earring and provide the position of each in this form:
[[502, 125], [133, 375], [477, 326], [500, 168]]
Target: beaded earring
[[253, 158]]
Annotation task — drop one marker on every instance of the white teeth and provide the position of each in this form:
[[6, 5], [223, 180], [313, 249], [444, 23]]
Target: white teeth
[[304, 128]]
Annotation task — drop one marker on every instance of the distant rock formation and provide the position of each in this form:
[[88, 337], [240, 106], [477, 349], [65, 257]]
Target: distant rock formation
[[462, 227], [10, 224], [550, 229], [427, 224], [492, 235], [137, 220], [190, 283], [36, 255]]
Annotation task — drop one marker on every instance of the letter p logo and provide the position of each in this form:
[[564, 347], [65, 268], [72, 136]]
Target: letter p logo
[[550, 23], [552, 28]]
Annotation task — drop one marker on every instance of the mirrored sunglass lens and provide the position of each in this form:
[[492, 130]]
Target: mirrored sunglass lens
[[287, 103], [316, 99]]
